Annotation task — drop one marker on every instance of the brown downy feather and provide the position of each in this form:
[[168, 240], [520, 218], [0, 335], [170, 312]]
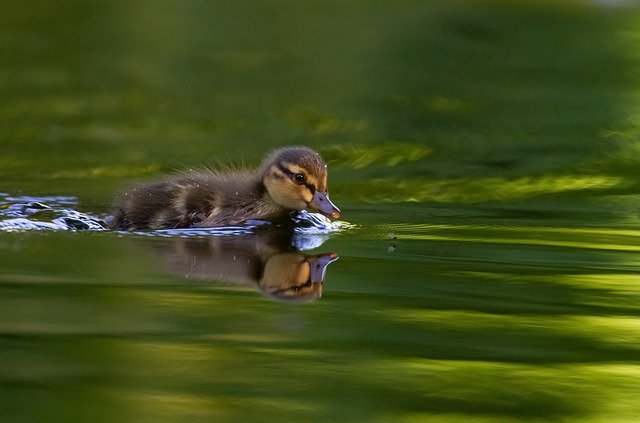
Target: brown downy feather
[[195, 200]]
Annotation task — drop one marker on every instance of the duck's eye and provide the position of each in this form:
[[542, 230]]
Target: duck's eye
[[299, 178]]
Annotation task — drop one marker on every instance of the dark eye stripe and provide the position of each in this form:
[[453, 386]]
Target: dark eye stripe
[[290, 173], [284, 169]]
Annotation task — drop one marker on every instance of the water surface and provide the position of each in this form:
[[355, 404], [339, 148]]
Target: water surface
[[486, 155]]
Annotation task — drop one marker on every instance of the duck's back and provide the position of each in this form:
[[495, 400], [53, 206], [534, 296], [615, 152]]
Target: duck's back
[[186, 200]]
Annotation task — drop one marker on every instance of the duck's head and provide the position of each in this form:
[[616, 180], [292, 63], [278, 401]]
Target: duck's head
[[296, 178]]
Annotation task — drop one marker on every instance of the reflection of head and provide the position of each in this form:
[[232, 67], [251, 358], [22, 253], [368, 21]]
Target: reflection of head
[[294, 276]]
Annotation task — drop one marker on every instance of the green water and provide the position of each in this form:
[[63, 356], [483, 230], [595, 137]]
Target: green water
[[487, 152]]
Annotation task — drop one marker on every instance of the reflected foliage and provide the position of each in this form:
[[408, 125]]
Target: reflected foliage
[[390, 154], [486, 151], [485, 190]]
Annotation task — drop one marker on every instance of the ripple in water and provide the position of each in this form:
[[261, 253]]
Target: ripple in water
[[26, 213], [44, 213]]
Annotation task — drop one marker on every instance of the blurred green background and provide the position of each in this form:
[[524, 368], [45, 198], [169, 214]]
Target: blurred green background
[[488, 152]]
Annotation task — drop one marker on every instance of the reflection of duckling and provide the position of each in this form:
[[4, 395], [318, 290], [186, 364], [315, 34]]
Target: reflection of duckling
[[290, 179], [269, 264]]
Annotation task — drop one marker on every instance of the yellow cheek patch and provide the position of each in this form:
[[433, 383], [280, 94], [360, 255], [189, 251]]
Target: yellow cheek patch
[[307, 195]]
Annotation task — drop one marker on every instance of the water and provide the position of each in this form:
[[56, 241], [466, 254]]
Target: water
[[484, 154]]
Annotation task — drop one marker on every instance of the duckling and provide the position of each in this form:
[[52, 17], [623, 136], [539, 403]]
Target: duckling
[[290, 179]]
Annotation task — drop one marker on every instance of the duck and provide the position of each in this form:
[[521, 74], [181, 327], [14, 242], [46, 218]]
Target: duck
[[289, 179]]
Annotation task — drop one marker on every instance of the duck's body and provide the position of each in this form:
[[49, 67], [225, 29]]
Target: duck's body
[[289, 179]]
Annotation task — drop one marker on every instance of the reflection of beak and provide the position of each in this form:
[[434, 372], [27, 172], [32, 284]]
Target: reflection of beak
[[321, 202], [318, 266]]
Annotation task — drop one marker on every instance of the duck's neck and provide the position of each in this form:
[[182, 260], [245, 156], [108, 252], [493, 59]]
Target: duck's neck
[[254, 202]]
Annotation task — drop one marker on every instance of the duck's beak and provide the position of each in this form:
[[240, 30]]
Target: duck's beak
[[321, 203], [318, 266]]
